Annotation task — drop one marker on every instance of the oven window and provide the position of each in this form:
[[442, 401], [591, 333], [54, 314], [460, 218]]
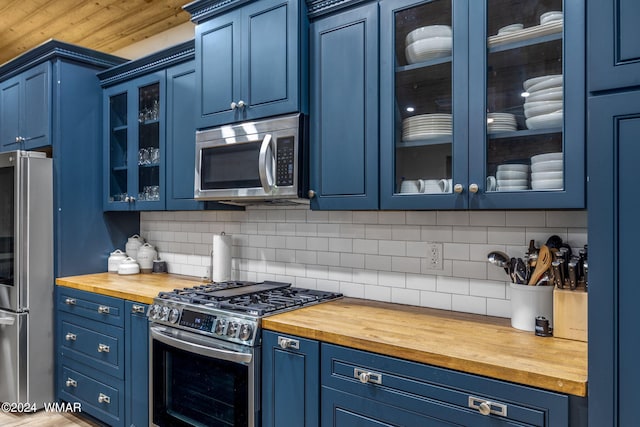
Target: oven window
[[193, 390], [230, 166]]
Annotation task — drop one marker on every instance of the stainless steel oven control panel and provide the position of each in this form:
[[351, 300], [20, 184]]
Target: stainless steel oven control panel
[[221, 325]]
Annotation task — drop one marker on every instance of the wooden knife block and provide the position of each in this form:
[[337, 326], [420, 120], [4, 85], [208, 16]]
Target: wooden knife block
[[570, 314]]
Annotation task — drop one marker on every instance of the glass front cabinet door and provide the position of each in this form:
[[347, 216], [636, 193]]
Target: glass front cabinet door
[[482, 104], [135, 144]]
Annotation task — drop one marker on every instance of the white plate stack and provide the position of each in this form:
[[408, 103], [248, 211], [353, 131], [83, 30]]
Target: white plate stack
[[501, 122], [424, 43], [512, 177], [547, 171], [426, 126], [543, 105]]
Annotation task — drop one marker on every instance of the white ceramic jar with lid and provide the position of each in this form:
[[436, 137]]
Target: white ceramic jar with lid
[[146, 255], [128, 266], [133, 245], [115, 258]]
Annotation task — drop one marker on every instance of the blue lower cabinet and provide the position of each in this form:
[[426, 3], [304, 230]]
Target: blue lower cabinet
[[362, 388], [137, 365], [102, 356], [290, 381]]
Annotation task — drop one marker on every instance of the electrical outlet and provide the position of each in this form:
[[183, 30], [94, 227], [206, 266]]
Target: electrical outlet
[[434, 256]]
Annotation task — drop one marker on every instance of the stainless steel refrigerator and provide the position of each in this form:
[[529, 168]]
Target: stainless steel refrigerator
[[26, 278]]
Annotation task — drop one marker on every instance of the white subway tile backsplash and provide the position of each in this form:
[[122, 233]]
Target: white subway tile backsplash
[[377, 255]]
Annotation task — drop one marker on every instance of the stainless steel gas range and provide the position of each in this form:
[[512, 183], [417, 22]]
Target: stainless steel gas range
[[205, 350]]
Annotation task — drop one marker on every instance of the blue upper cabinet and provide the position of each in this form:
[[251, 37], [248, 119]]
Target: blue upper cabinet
[[614, 51], [476, 109], [344, 110], [250, 60], [134, 148], [25, 109], [181, 137]]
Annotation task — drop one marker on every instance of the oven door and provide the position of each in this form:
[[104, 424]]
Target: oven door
[[200, 381]]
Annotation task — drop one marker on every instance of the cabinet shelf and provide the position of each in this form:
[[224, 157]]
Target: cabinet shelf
[[522, 133], [119, 128], [425, 64], [424, 142], [119, 169], [525, 43], [151, 165]]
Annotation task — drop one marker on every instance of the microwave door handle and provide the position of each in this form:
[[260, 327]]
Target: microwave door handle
[[265, 179], [7, 321]]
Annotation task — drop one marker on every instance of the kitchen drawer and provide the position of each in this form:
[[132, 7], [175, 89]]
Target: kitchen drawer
[[436, 392], [98, 345], [100, 396], [93, 306]]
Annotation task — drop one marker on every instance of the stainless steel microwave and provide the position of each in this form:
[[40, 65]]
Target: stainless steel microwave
[[253, 162]]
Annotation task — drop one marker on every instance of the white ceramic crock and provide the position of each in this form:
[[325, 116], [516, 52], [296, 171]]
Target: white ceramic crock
[[146, 255], [115, 258], [133, 245]]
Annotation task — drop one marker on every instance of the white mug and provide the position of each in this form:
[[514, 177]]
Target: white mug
[[445, 185], [491, 183], [412, 186]]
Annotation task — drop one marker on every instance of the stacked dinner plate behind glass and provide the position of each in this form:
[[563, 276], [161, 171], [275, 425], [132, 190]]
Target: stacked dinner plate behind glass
[[424, 43], [501, 122], [512, 177], [547, 171], [543, 106], [426, 126]]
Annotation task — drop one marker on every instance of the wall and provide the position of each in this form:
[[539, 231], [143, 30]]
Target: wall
[[170, 37], [369, 254]]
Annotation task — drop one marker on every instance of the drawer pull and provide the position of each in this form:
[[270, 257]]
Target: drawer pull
[[103, 309], [103, 398], [70, 301], [103, 348], [486, 407], [71, 382], [367, 376], [286, 343], [70, 337], [137, 308]]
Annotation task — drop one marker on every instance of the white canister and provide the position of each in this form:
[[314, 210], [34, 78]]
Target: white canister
[[133, 244], [115, 258], [146, 255], [128, 266]]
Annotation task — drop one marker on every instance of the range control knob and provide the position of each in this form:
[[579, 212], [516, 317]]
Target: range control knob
[[245, 332], [232, 330], [164, 316], [220, 326], [154, 311], [174, 315]]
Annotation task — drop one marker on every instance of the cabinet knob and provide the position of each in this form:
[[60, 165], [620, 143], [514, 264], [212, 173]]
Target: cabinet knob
[[241, 104], [71, 382], [233, 105], [70, 301], [286, 343], [137, 308], [366, 377], [70, 337], [103, 398], [486, 407], [311, 194], [473, 188], [103, 348], [103, 309], [458, 188]]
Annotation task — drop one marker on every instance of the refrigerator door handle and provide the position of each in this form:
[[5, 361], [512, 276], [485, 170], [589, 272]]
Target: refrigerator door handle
[[7, 320]]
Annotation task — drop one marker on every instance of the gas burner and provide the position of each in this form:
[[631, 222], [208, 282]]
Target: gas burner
[[224, 309]]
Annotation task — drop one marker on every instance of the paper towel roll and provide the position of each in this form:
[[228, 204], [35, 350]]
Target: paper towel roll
[[221, 265]]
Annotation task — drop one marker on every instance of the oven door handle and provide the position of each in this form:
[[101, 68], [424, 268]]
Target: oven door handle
[[266, 178], [211, 350]]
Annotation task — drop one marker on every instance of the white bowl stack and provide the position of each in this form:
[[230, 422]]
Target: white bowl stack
[[424, 43], [501, 122], [512, 177], [547, 171], [543, 106], [426, 126]]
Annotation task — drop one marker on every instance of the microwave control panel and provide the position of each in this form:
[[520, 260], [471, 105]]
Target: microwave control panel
[[285, 158]]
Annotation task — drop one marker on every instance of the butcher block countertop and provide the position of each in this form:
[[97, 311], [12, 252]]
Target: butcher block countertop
[[140, 288], [470, 343]]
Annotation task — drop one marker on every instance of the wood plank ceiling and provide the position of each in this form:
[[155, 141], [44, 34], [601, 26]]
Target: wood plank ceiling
[[104, 25]]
